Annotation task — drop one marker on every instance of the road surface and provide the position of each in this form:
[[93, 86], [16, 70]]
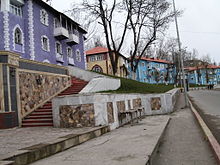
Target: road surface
[[184, 142], [207, 102]]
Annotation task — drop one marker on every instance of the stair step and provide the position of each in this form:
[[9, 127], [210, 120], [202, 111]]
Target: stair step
[[43, 110], [37, 125], [40, 113], [40, 117], [37, 121]]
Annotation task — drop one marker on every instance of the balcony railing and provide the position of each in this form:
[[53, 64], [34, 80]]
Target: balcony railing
[[73, 39], [59, 57], [71, 61], [61, 33]]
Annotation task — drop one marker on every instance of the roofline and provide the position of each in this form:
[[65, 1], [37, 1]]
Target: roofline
[[106, 52], [50, 7]]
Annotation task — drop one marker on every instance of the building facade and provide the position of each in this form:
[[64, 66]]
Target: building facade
[[98, 60], [204, 75], [155, 71], [36, 31]]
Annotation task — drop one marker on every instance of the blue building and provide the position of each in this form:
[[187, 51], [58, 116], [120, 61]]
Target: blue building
[[204, 75], [155, 71], [37, 31]]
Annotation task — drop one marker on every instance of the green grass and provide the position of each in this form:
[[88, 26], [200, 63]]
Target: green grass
[[132, 86]]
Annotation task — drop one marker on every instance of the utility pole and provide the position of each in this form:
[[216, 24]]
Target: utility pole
[[181, 57]]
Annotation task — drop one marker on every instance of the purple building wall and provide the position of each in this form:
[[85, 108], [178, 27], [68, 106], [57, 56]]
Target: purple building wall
[[1, 32], [32, 44]]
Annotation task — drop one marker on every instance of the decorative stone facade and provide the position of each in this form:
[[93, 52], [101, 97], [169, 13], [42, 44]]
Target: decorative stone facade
[[35, 88], [110, 112], [121, 106], [137, 103], [81, 115], [155, 103]]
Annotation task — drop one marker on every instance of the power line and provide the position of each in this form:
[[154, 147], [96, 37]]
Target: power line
[[213, 33]]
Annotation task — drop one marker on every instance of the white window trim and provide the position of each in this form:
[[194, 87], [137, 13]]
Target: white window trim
[[78, 58], [71, 56], [22, 38], [41, 17], [48, 43], [61, 50]]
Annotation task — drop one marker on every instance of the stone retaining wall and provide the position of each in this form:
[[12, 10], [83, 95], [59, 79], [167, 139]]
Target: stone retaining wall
[[107, 106], [36, 87]]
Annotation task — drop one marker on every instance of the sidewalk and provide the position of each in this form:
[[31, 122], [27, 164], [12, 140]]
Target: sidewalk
[[26, 145], [128, 145], [184, 142]]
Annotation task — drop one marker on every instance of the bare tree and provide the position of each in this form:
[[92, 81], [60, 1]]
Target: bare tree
[[147, 19], [105, 11], [141, 20]]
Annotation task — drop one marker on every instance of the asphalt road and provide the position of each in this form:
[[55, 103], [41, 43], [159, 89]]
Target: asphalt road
[[207, 102], [184, 142]]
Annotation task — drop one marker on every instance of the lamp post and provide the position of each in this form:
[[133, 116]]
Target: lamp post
[[181, 57]]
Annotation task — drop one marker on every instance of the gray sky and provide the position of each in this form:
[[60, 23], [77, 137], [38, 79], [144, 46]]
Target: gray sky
[[199, 26]]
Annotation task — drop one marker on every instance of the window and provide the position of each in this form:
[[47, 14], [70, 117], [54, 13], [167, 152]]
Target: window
[[16, 10], [18, 36], [44, 17], [97, 68], [92, 58], [69, 52], [56, 23], [99, 58], [45, 43], [78, 56], [58, 48]]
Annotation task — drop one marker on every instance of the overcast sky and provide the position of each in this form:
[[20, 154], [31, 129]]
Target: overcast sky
[[199, 26]]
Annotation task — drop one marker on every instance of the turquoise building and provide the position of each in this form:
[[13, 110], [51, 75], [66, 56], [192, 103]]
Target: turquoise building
[[204, 75], [155, 71]]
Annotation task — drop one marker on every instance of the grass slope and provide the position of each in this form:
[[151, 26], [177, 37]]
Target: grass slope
[[132, 86]]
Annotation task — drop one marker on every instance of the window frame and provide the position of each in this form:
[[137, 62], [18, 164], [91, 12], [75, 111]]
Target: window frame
[[67, 52], [60, 49], [78, 56], [44, 17], [47, 48], [18, 36]]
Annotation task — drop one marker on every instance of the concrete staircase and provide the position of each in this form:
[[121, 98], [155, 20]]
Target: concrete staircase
[[42, 117]]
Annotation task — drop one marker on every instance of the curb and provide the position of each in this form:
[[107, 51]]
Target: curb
[[154, 152], [212, 140], [42, 150]]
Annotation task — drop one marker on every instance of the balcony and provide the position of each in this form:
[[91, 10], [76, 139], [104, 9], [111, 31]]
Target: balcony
[[71, 61], [59, 57], [17, 2], [73, 39], [61, 33]]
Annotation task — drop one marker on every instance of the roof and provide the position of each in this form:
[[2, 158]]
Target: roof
[[156, 60], [99, 50], [202, 67], [54, 10]]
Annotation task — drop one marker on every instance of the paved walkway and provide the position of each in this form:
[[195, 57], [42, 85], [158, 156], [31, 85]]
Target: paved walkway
[[129, 145], [18, 138], [184, 142]]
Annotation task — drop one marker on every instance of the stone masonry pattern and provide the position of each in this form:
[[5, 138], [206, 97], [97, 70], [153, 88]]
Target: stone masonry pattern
[[155, 103], [81, 115], [110, 111], [121, 106], [137, 103], [35, 88]]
